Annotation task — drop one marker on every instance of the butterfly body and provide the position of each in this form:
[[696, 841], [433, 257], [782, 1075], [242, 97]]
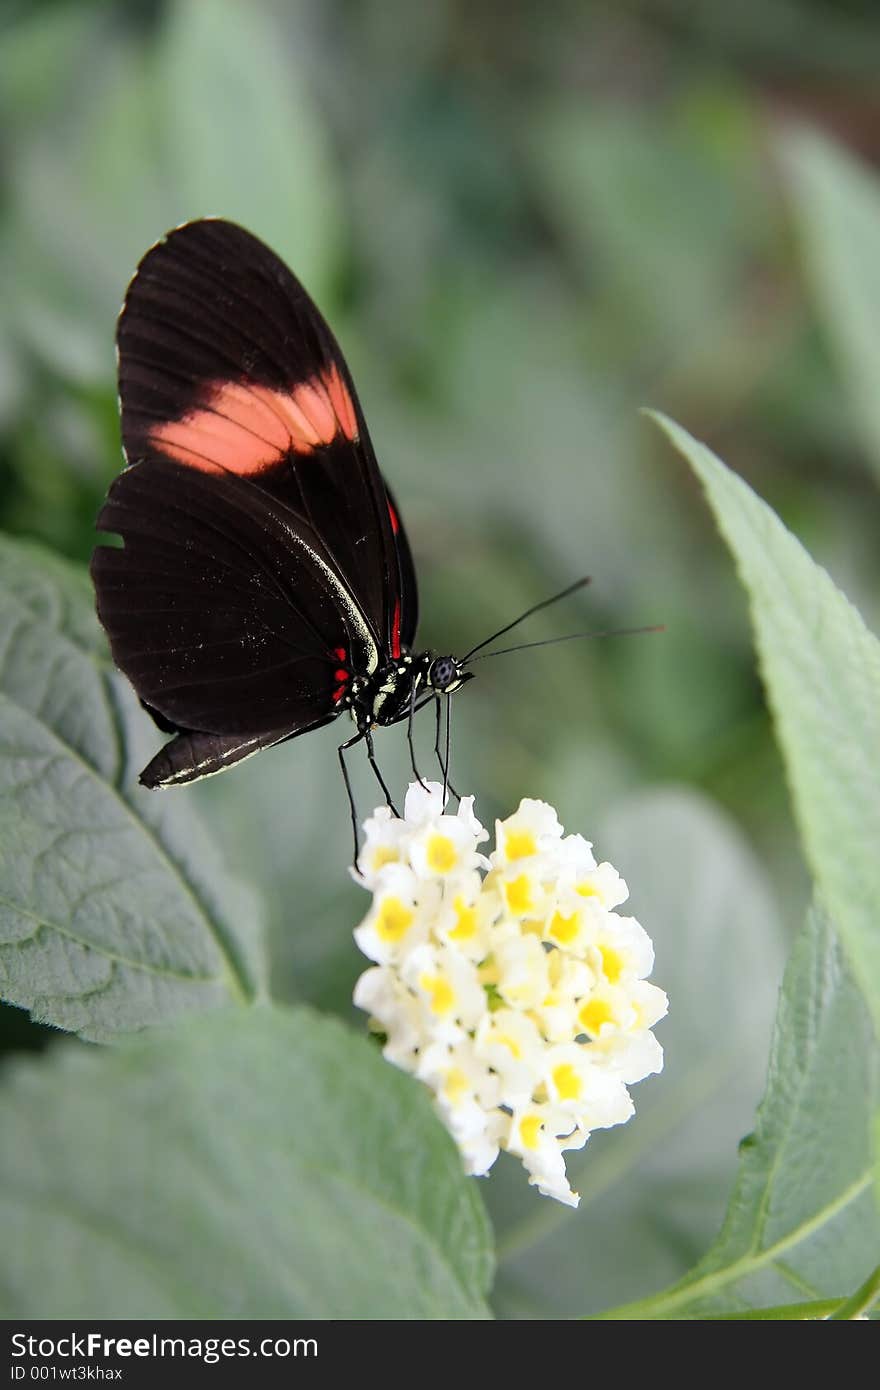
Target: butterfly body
[[387, 696]]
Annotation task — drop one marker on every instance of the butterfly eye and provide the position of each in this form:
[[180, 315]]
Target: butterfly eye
[[443, 672]]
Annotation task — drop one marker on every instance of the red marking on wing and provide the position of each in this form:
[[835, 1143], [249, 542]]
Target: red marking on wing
[[246, 428], [395, 630], [342, 403], [395, 521], [341, 676]]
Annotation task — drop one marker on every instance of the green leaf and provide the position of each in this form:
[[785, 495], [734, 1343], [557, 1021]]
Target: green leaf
[[802, 1216], [653, 1191], [252, 1164], [837, 204], [625, 194], [862, 1301], [241, 135], [283, 819], [212, 117], [810, 1311], [821, 667], [115, 911]]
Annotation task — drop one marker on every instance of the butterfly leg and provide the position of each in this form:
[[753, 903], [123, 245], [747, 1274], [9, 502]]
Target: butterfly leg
[[379, 778], [409, 737], [444, 765], [351, 806]]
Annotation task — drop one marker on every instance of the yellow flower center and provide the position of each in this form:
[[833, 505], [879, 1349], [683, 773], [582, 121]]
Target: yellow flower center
[[519, 844], [587, 890], [456, 1085], [441, 992], [382, 855], [442, 855], [566, 1081], [510, 1043], [519, 894], [563, 929], [465, 920], [594, 1013], [612, 964], [529, 1129], [394, 919]]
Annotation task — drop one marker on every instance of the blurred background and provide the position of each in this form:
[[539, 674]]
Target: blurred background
[[524, 221]]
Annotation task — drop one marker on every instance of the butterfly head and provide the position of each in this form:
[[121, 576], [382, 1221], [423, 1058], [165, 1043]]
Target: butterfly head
[[446, 675]]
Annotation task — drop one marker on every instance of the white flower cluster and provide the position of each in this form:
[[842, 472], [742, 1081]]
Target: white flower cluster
[[508, 983]]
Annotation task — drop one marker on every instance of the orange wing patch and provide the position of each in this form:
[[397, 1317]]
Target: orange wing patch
[[247, 428]]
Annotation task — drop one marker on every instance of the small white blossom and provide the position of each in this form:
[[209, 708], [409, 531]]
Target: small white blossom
[[466, 916], [537, 1134], [508, 985], [394, 1011], [580, 1086], [511, 1044], [444, 848], [620, 950], [448, 985], [400, 916], [530, 832], [522, 887], [467, 1093], [601, 884], [570, 981], [570, 927], [384, 837]]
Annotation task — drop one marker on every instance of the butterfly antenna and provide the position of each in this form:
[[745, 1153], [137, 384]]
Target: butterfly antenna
[[545, 603], [572, 637]]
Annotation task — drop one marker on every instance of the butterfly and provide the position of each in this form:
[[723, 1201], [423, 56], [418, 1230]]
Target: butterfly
[[265, 584]]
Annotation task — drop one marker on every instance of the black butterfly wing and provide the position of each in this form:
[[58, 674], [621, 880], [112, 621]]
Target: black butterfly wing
[[226, 366], [223, 607], [405, 618], [192, 755]]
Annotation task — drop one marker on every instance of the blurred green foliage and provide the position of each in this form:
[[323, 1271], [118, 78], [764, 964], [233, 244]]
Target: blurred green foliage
[[524, 222]]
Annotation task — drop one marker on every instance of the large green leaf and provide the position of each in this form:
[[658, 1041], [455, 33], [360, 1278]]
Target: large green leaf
[[837, 202], [115, 911], [241, 134], [653, 1192], [254, 1164], [802, 1218], [821, 666], [212, 116]]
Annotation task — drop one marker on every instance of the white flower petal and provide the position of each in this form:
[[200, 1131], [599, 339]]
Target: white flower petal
[[443, 848], [400, 916], [467, 817], [533, 829], [423, 803], [453, 999], [384, 843]]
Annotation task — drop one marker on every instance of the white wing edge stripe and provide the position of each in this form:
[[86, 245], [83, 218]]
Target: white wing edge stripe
[[356, 617], [229, 754]]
